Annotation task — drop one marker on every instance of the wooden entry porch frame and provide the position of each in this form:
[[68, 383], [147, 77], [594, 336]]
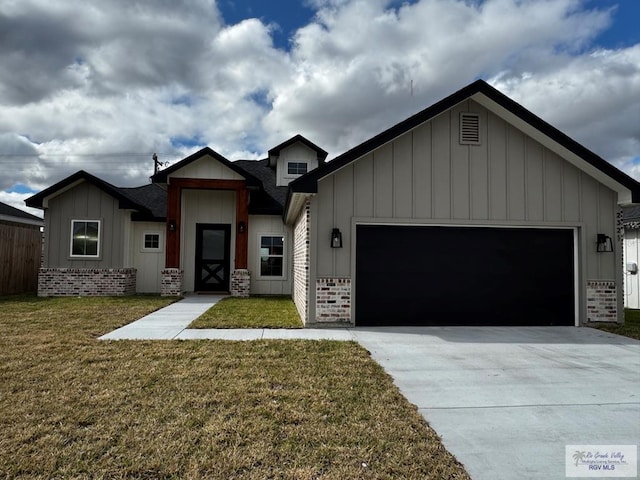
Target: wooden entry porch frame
[[174, 208]]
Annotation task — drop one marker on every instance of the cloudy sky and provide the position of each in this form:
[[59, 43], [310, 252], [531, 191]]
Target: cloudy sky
[[101, 85]]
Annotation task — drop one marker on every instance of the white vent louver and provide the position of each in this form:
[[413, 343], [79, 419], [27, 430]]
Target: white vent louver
[[469, 129]]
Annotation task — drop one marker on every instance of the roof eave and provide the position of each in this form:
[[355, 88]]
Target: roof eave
[[162, 175]]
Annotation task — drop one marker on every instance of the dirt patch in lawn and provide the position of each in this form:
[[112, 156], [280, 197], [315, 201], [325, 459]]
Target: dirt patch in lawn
[[75, 407]]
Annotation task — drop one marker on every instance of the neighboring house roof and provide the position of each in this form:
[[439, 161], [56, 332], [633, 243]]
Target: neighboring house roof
[[125, 199], [492, 99], [161, 176], [12, 214], [631, 216]]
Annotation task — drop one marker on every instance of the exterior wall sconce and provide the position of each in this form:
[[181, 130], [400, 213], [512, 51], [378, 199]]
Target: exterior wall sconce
[[172, 225], [604, 243], [242, 227], [336, 238]]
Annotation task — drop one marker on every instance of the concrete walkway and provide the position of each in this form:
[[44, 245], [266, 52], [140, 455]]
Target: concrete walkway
[[171, 322]]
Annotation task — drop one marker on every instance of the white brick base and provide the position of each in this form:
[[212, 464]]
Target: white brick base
[[333, 300], [86, 282], [602, 303], [240, 283], [171, 282]]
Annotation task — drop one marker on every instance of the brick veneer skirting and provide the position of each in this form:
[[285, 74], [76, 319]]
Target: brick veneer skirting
[[602, 301], [171, 282], [240, 283], [333, 300], [89, 282]]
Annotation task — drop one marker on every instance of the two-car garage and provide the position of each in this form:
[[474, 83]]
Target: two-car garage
[[464, 275]]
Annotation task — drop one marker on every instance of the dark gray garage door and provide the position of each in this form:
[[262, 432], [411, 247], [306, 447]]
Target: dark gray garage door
[[409, 275]]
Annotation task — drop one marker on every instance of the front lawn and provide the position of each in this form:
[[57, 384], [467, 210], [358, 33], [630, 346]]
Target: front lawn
[[253, 312], [75, 407], [631, 327]]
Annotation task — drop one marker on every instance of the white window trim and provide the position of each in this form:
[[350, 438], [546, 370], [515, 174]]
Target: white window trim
[[160, 248], [294, 175], [98, 254], [284, 256]]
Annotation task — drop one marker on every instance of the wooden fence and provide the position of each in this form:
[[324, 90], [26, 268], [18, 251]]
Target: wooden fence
[[20, 253]]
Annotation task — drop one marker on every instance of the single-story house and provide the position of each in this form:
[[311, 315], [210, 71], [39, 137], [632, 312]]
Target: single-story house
[[631, 220], [474, 211], [20, 250]]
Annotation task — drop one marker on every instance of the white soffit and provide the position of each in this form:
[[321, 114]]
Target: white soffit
[[295, 205]]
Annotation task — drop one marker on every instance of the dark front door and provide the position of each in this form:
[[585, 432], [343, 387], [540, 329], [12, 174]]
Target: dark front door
[[212, 257]]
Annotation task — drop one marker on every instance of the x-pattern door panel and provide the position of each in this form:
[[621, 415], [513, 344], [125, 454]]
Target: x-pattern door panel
[[212, 257]]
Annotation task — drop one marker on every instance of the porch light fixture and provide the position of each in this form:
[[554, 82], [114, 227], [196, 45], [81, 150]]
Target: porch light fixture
[[604, 243], [336, 238], [172, 225], [242, 227]]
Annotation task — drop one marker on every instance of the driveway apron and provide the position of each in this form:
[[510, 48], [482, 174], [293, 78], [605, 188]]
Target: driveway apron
[[506, 400]]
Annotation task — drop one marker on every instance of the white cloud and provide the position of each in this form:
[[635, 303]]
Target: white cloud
[[132, 78], [594, 97]]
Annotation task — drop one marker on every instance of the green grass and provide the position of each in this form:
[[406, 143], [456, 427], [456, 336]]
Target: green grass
[[74, 407], [253, 312], [631, 327]]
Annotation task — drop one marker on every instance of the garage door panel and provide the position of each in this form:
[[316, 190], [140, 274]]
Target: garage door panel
[[464, 276]]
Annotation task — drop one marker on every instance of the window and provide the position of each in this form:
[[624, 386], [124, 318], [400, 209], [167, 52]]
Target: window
[[151, 241], [85, 238], [296, 168], [271, 255]]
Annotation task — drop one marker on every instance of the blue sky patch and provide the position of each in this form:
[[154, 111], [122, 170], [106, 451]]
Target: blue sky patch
[[21, 188], [185, 142]]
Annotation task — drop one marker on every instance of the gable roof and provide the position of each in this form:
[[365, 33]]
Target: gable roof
[[275, 151], [125, 200], [493, 100], [161, 176], [12, 214]]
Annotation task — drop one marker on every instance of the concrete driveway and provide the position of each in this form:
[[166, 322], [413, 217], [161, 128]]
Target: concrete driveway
[[506, 401]]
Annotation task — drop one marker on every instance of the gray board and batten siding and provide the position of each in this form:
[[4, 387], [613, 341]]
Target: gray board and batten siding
[[425, 176], [85, 201]]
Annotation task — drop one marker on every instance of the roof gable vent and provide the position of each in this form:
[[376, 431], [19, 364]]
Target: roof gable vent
[[469, 129]]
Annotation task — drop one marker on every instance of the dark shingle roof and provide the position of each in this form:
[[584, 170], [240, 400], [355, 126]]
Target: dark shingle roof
[[269, 200], [10, 211], [152, 197]]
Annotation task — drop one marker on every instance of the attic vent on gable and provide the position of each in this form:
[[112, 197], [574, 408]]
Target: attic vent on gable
[[469, 129]]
